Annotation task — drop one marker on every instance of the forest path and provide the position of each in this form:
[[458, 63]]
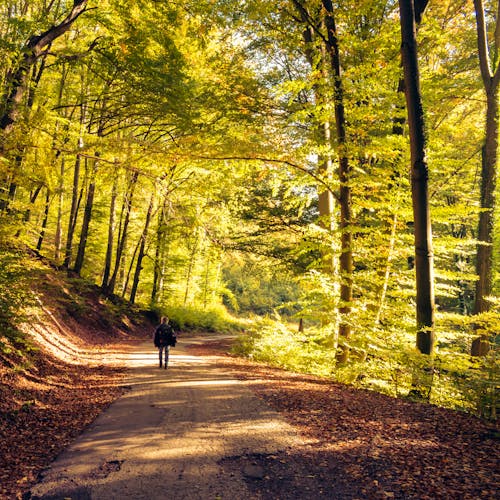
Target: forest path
[[168, 435]]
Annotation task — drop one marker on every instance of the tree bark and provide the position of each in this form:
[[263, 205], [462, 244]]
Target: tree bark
[[142, 252], [326, 201], [123, 233], [484, 256], [192, 261], [60, 196], [111, 235], [75, 197], [346, 256], [87, 216], [160, 258], [44, 221], [484, 262], [419, 179]]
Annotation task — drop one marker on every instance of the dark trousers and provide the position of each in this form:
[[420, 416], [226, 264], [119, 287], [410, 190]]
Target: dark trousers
[[161, 350]]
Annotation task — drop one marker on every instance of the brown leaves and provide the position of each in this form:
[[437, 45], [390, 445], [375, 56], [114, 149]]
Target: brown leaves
[[37, 420], [366, 445]]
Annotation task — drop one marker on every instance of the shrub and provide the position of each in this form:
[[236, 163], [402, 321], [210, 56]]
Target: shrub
[[212, 319]]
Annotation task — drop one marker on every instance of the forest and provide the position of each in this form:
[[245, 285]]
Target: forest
[[319, 176]]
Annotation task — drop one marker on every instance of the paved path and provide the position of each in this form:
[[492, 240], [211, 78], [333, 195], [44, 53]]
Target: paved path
[[164, 437]]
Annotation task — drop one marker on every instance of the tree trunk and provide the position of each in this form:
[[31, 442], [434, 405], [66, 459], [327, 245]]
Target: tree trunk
[[75, 197], [206, 278], [142, 252], [326, 202], [44, 222], [419, 180], [123, 232], [346, 257], [192, 261], [111, 235], [159, 262], [484, 259], [126, 277], [60, 197], [87, 215]]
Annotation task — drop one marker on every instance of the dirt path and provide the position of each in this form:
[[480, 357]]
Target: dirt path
[[170, 435]]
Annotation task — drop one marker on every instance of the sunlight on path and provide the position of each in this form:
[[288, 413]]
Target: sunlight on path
[[165, 436]]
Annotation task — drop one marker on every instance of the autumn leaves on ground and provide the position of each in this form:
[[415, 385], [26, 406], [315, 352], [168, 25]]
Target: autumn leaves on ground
[[359, 444]]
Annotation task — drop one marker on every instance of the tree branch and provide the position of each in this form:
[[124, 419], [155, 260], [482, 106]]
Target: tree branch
[[317, 178], [419, 6], [482, 43], [38, 42]]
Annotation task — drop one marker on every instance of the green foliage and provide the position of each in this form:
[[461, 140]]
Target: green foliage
[[277, 344], [212, 319], [385, 361], [258, 286], [16, 272]]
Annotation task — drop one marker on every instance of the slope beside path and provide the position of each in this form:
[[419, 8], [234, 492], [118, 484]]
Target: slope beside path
[[170, 435]]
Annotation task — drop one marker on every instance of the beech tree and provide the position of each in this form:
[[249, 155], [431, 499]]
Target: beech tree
[[410, 14], [490, 74]]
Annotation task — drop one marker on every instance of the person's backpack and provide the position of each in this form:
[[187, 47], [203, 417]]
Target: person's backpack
[[166, 336]]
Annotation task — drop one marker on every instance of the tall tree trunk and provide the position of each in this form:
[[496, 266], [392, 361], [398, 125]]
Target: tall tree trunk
[[160, 258], [111, 235], [19, 157], [142, 251], [87, 216], [419, 178], [75, 203], [208, 261], [123, 232], [484, 262], [326, 201], [126, 277], [58, 235], [346, 257], [17, 80], [75, 196], [44, 221], [60, 201]]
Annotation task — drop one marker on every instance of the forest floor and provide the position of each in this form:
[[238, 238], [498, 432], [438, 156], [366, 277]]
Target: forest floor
[[357, 444], [365, 445]]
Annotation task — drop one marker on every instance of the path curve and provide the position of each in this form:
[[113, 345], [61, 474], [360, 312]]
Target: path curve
[[167, 436]]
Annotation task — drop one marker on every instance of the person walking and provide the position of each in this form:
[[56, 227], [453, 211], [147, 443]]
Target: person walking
[[163, 339]]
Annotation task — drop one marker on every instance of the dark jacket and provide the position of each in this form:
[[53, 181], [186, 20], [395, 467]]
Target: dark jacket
[[164, 335]]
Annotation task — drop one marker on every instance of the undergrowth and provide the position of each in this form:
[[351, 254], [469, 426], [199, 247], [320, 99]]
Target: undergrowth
[[16, 273], [384, 362], [212, 319]]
